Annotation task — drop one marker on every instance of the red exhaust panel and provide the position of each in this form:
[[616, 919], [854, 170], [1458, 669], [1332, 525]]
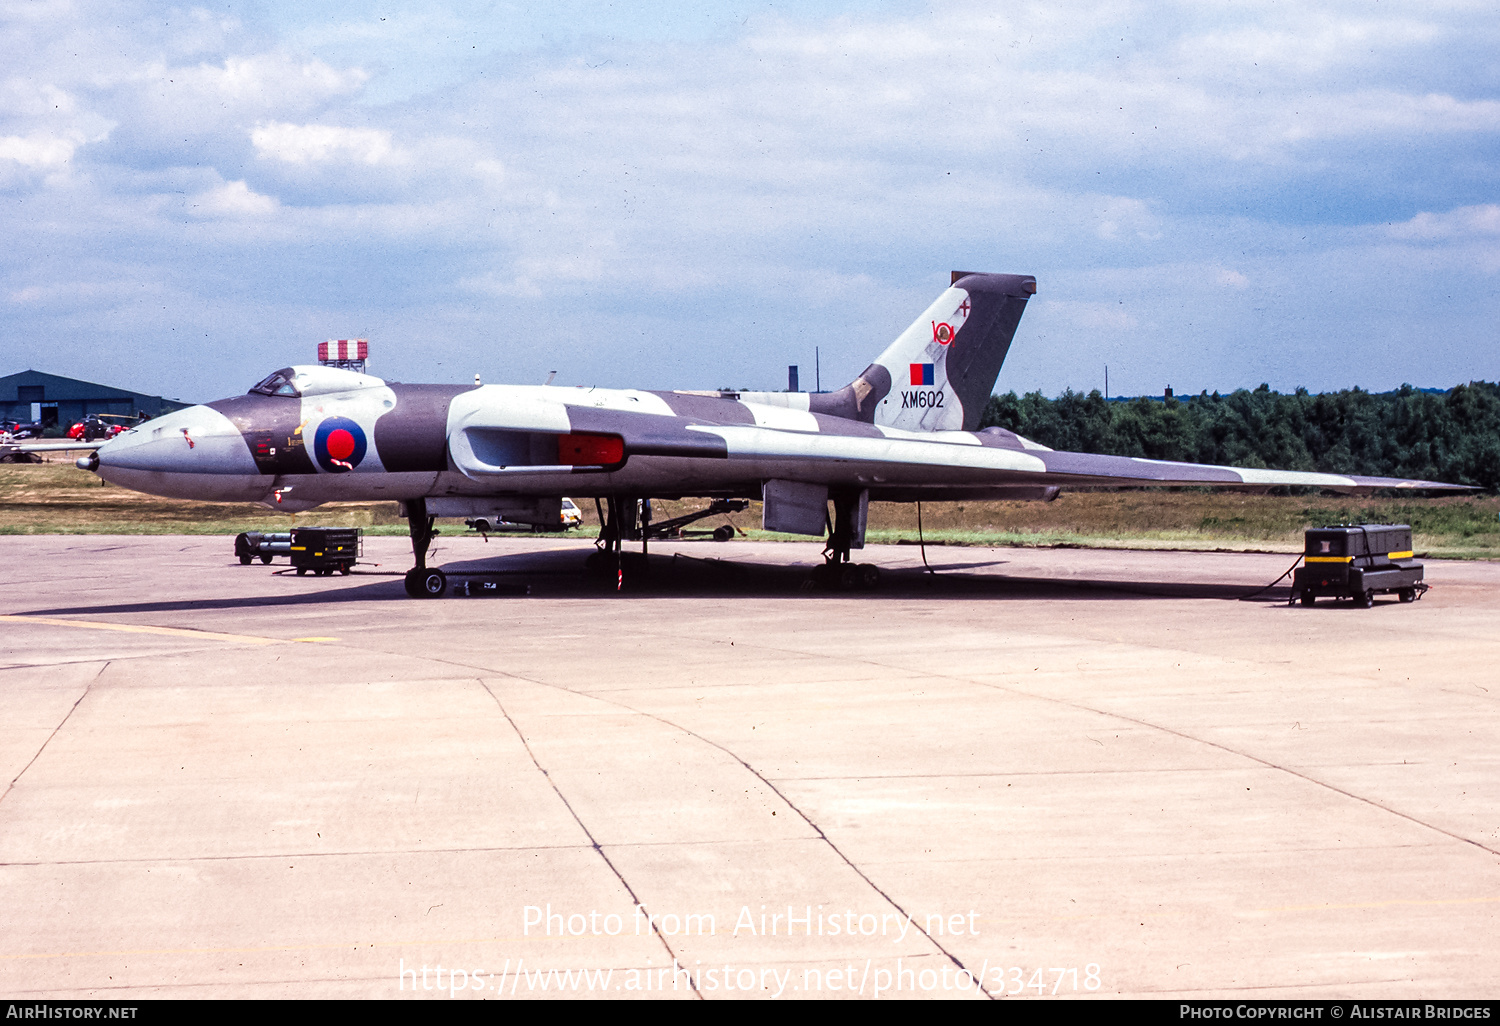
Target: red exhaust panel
[[590, 450]]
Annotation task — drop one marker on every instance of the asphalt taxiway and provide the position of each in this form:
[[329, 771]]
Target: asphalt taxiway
[[1066, 772]]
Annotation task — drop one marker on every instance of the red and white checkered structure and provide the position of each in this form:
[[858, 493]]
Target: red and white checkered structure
[[348, 353]]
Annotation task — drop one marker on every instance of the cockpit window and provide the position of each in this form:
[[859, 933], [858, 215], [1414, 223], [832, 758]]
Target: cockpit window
[[278, 383]]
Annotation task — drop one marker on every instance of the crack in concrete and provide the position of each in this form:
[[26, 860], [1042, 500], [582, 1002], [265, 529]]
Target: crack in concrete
[[810, 822], [1165, 730], [820, 835], [635, 900], [86, 689]]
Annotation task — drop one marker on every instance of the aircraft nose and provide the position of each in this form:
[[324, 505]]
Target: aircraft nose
[[197, 440]]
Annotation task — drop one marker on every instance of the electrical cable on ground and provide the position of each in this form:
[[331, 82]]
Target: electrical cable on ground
[[1273, 584], [922, 542]]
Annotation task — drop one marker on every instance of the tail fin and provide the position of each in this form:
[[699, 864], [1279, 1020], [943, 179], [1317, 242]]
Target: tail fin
[[938, 375]]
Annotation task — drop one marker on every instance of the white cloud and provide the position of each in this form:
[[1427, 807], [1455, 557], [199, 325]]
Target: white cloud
[[46, 126], [535, 277], [232, 199], [19, 96], [1091, 316], [262, 81], [72, 294], [37, 151], [491, 284], [311, 144], [1464, 222], [1317, 42], [1121, 213], [1377, 113], [723, 179]]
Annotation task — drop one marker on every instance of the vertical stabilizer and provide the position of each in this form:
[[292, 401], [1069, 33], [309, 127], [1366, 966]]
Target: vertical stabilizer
[[939, 373]]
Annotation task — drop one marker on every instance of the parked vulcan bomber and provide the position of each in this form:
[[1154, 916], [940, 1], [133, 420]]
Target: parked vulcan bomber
[[904, 430]]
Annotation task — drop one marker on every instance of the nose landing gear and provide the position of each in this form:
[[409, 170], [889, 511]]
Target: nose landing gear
[[424, 583]]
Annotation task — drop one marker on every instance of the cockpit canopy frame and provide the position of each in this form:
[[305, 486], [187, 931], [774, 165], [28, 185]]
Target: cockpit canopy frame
[[281, 382], [302, 381]]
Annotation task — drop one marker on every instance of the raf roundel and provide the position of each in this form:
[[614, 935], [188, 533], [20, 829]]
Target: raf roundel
[[339, 444]]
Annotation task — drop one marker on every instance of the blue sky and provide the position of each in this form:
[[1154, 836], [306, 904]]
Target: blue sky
[[1211, 195]]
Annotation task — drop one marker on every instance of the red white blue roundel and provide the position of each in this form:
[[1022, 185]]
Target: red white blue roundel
[[339, 444]]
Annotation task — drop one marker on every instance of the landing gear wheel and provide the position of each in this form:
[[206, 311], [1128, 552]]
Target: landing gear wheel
[[1364, 599], [429, 583], [266, 559], [1308, 598], [847, 576], [723, 533]]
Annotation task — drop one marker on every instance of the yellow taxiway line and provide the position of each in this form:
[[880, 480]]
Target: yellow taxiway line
[[130, 628]]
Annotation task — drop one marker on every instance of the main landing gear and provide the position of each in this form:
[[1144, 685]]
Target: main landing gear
[[837, 572], [422, 582], [620, 518]]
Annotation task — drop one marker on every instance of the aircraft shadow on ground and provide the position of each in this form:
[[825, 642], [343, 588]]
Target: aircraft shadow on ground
[[562, 574]]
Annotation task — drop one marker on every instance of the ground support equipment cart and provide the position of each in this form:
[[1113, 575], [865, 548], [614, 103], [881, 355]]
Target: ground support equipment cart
[[324, 549], [262, 545], [1357, 562]]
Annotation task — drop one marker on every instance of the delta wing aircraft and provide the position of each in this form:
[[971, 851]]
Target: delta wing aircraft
[[904, 430]]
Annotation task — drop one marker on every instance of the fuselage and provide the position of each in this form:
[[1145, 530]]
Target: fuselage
[[309, 435]]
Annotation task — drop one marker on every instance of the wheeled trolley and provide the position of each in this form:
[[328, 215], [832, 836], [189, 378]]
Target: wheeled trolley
[[262, 545], [1357, 562], [324, 550]]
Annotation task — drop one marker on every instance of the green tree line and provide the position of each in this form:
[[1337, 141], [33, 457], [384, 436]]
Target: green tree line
[[1453, 436]]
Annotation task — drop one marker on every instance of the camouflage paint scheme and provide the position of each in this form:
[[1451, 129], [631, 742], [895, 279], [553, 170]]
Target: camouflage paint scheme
[[904, 430]]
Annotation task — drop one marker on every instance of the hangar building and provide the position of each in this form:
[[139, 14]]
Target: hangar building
[[33, 395]]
